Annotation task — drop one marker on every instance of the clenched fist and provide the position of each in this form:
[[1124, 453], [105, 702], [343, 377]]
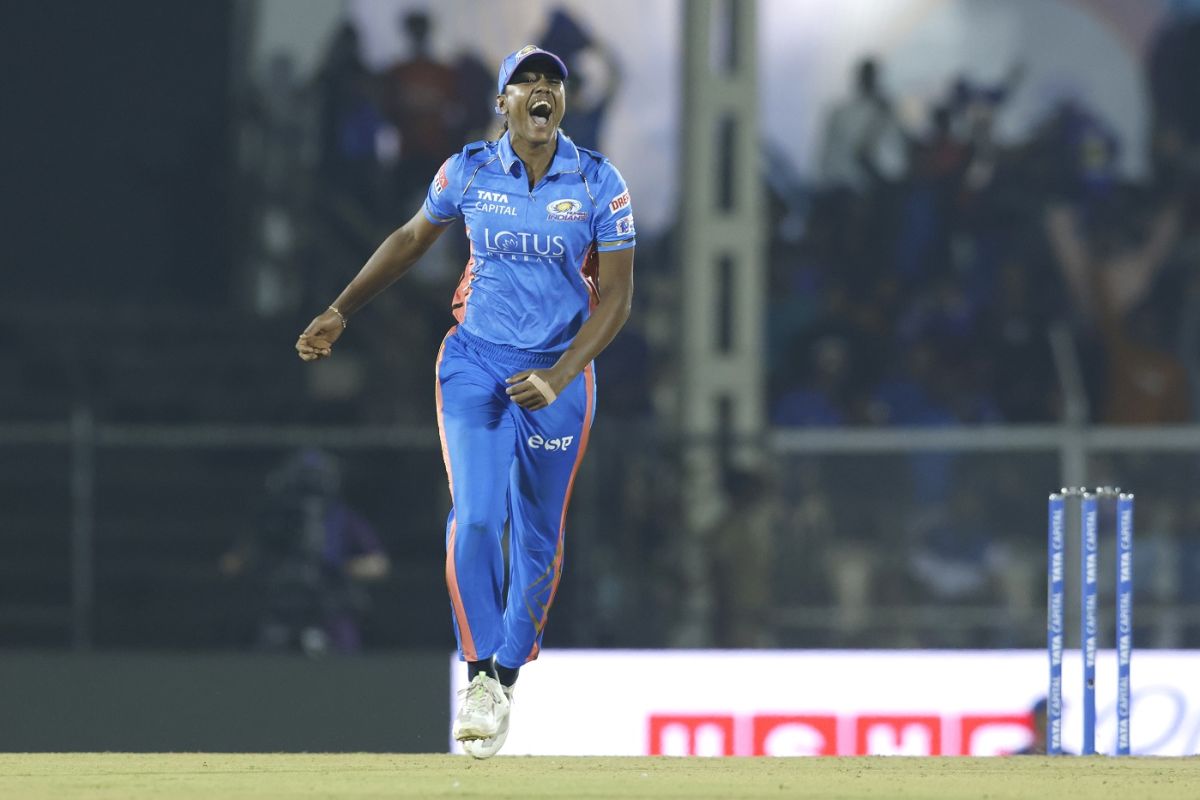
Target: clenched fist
[[318, 338]]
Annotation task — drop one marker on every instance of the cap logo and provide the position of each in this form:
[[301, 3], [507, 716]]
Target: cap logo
[[511, 62]]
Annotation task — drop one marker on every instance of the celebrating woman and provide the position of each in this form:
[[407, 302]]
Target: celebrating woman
[[548, 285]]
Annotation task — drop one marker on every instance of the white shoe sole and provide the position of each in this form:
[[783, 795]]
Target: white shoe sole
[[470, 733], [485, 748]]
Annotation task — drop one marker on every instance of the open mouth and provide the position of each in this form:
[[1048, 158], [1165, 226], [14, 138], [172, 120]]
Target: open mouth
[[539, 113]]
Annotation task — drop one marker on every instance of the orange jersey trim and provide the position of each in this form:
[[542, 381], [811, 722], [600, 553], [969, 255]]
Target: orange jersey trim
[[462, 292], [589, 270]]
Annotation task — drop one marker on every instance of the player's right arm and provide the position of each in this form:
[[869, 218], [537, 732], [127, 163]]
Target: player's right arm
[[392, 259]]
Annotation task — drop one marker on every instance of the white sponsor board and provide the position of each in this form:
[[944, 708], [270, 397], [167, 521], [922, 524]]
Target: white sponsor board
[[790, 703]]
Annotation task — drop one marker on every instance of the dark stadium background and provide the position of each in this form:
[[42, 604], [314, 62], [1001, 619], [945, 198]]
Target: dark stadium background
[[923, 373]]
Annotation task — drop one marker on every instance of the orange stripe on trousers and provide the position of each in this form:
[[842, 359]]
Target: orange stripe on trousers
[[460, 613], [589, 383]]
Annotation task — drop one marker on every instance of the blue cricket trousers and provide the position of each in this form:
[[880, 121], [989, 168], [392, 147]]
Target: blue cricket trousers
[[503, 464]]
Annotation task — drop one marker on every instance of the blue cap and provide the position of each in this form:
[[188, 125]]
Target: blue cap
[[514, 60]]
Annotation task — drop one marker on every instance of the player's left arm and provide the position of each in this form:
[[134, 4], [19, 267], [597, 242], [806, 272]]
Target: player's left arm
[[609, 315]]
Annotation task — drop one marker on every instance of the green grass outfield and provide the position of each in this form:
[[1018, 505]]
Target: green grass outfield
[[322, 775]]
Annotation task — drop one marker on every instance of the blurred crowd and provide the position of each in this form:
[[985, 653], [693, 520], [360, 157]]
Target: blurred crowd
[[928, 274], [936, 265], [941, 278]]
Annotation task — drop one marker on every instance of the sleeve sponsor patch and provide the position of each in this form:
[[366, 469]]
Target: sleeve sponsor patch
[[440, 181], [625, 223], [619, 202]]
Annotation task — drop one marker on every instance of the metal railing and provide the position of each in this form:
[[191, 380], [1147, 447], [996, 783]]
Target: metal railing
[[1158, 463]]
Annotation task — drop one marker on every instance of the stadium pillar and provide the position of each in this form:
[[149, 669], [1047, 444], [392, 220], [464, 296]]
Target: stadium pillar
[[722, 278]]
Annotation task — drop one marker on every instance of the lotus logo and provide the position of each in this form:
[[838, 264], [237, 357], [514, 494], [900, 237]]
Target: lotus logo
[[523, 246], [566, 210]]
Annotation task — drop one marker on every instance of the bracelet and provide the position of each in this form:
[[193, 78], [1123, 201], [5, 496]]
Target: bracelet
[[341, 316]]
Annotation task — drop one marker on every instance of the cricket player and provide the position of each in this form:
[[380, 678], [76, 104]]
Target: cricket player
[[548, 285]]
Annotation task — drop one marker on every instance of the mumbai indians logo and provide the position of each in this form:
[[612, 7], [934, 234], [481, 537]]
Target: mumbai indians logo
[[625, 225], [566, 211]]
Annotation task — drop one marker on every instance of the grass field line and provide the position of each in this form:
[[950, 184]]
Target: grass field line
[[132, 776]]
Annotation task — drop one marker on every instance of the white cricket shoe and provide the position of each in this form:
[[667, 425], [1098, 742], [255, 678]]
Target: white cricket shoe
[[486, 748], [484, 707]]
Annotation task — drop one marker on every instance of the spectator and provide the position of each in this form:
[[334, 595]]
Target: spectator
[[475, 91], [595, 75], [1174, 57], [863, 160], [863, 140], [310, 558], [420, 97], [939, 162], [957, 556], [1014, 339], [1110, 274], [350, 127], [972, 110], [823, 398], [742, 550]]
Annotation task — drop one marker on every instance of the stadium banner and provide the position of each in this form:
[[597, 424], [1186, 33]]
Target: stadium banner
[[801, 703]]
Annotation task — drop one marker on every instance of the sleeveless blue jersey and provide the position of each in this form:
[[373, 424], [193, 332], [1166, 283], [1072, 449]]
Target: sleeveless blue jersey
[[530, 282]]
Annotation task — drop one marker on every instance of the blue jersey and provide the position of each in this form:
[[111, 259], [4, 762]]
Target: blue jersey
[[530, 282]]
